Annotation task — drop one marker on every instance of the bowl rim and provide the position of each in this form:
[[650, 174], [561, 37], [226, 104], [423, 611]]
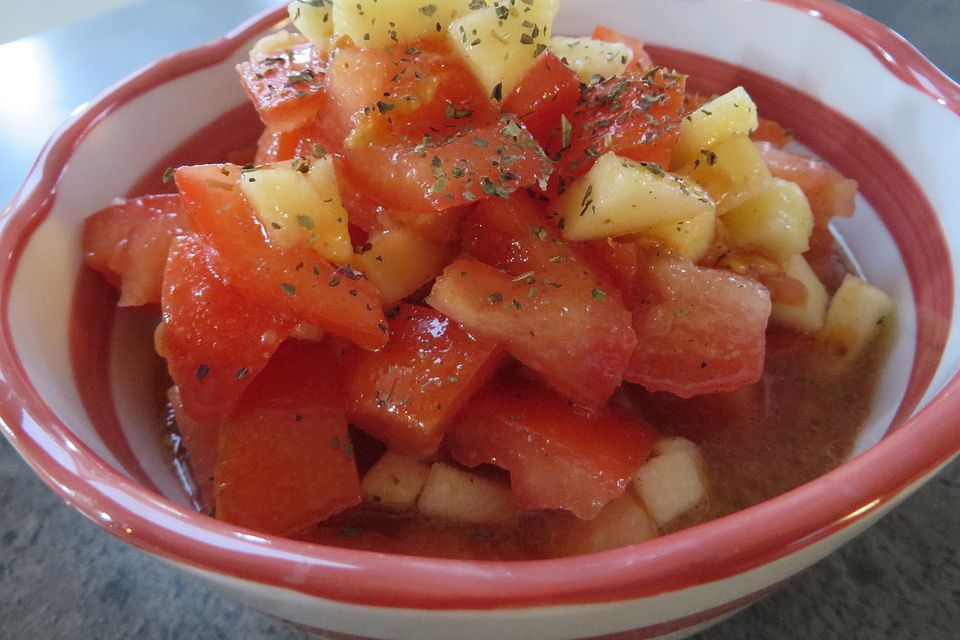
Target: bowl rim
[[709, 552]]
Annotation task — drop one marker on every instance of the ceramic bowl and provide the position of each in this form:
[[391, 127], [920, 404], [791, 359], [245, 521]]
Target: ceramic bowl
[[75, 404]]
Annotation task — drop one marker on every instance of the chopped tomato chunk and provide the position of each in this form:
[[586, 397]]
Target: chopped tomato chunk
[[773, 132], [641, 59], [548, 279], [288, 88], [315, 139], [557, 320], [408, 393], [634, 115], [297, 282], [286, 461], [410, 91], [448, 170], [550, 91], [829, 193], [700, 331], [558, 457], [128, 242], [215, 338]]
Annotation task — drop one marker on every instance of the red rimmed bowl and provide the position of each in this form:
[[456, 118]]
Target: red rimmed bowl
[[74, 397]]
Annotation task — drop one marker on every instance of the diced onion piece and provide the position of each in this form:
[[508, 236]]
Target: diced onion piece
[[592, 59], [314, 20], [670, 484], [689, 239], [390, 22], [503, 42], [395, 482], [277, 42], [728, 115], [731, 171], [810, 316], [854, 317], [619, 196], [298, 207], [776, 222], [464, 497], [623, 521], [681, 445], [399, 262]]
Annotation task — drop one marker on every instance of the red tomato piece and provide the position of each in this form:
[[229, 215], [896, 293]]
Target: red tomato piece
[[420, 89], [315, 139], [296, 283], [129, 241], [700, 331], [443, 171], [549, 91], [215, 339], [408, 393], [514, 235], [558, 457], [635, 115], [519, 235], [288, 87], [557, 320], [773, 132], [618, 263], [829, 193], [641, 59], [285, 458]]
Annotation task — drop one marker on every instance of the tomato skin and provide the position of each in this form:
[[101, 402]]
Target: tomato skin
[[296, 283], [829, 193], [288, 88], [128, 242], [558, 457], [408, 393], [215, 339], [557, 321], [700, 331], [641, 59], [549, 91], [637, 116], [285, 457]]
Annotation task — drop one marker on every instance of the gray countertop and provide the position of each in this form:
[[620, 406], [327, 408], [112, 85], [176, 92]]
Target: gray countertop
[[63, 577]]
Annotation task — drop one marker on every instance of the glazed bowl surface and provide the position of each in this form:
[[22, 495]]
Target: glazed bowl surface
[[74, 403]]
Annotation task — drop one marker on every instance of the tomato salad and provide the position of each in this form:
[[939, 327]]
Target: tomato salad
[[486, 291]]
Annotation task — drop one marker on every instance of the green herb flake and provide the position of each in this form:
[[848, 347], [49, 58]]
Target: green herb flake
[[599, 294], [495, 297], [242, 373], [203, 371], [288, 288], [566, 132], [168, 174], [306, 222]]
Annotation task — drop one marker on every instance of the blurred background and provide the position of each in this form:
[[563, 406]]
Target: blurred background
[[61, 577]]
